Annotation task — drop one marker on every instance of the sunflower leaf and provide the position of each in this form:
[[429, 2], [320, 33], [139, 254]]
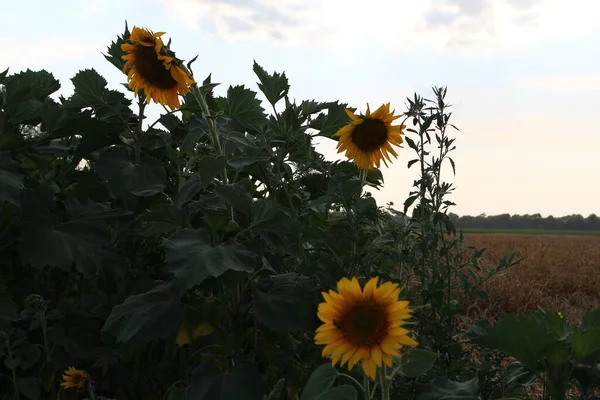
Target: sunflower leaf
[[29, 387], [3, 76], [191, 257], [91, 91], [321, 380], [115, 52], [79, 241], [330, 124], [123, 177], [155, 314], [10, 180], [286, 303], [528, 337], [416, 362], [29, 85], [275, 87], [242, 105]]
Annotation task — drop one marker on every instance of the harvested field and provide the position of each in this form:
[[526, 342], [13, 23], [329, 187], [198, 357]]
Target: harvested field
[[559, 273]]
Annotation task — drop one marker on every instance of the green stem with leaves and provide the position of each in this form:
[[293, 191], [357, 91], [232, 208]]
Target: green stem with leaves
[[385, 381], [13, 370]]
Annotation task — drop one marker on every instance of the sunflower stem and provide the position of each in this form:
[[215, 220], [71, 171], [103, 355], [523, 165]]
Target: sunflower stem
[[12, 369], [385, 383], [366, 388], [90, 389], [214, 133]]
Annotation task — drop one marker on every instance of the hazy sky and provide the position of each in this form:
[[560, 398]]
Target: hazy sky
[[523, 75]]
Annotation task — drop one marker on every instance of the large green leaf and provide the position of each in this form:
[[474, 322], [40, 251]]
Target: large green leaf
[[144, 178], [529, 336], [320, 386], [242, 105], [95, 134], [151, 315], [29, 85], [10, 180], [275, 87], [441, 389], [241, 382], [91, 91], [165, 218], [208, 168], [286, 303], [416, 362], [115, 52], [591, 320], [320, 381], [191, 257], [237, 196], [343, 392], [268, 215], [586, 346], [3, 76], [81, 242], [29, 387], [330, 124]]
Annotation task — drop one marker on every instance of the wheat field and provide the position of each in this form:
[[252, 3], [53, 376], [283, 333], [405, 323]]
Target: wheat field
[[557, 273]]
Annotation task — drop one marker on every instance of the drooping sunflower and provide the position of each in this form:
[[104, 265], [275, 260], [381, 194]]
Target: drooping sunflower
[[363, 325], [368, 140], [74, 378], [148, 67]]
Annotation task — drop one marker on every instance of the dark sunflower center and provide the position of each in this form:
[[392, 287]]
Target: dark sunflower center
[[151, 69], [365, 324], [370, 135]]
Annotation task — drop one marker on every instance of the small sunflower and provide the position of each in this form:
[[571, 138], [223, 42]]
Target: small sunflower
[[363, 325], [74, 378], [148, 67], [369, 140]]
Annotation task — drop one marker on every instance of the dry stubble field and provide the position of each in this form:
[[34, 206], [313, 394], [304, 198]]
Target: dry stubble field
[[559, 273]]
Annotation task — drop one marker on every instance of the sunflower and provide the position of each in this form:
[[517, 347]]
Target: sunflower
[[363, 325], [148, 67], [74, 378], [369, 140]]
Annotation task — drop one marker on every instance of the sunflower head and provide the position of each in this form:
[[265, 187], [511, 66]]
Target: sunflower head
[[149, 67], [363, 324], [74, 378], [368, 140]]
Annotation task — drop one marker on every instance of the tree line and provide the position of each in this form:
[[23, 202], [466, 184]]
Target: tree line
[[527, 221]]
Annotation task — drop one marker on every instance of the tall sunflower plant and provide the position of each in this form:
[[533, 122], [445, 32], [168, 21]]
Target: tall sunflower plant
[[211, 253]]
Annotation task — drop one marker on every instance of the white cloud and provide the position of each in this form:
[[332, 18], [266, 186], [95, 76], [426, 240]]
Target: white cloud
[[465, 26], [44, 52], [582, 82]]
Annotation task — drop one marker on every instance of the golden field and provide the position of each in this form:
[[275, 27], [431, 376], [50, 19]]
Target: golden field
[[559, 273]]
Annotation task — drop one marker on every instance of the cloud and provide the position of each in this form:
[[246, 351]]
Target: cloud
[[44, 52], [463, 26], [581, 82]]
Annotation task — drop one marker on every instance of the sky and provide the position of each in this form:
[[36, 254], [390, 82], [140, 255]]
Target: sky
[[523, 76]]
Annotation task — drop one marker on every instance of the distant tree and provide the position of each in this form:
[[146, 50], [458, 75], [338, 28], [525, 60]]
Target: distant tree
[[527, 221]]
